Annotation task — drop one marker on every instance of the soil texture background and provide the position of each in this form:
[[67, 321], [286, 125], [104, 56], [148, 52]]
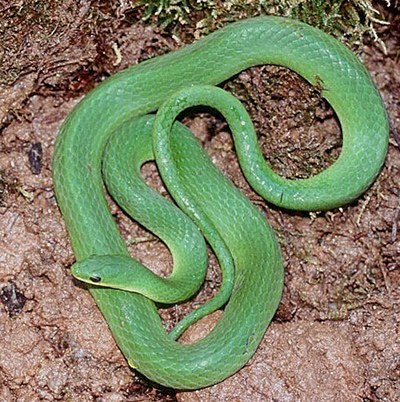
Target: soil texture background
[[335, 336]]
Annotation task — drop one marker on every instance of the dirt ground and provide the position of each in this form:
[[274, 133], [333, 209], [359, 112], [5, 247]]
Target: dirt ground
[[335, 336]]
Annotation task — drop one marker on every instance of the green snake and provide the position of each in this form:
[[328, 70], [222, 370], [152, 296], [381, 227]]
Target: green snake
[[116, 115]]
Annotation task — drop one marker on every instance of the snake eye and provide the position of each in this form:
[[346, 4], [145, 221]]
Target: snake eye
[[95, 279]]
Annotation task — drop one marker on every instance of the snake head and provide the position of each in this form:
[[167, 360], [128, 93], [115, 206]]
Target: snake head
[[104, 270], [113, 271], [89, 270]]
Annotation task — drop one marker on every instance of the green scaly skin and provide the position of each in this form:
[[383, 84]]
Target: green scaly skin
[[229, 222]]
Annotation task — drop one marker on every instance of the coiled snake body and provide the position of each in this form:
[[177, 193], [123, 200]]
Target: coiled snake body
[[116, 112]]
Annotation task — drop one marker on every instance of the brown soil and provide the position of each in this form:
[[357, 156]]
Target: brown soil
[[335, 336]]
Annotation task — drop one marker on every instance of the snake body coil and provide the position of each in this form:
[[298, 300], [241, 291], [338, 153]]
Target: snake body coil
[[238, 233]]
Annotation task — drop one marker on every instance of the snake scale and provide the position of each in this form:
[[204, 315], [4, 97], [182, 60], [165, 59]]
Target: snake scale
[[117, 115]]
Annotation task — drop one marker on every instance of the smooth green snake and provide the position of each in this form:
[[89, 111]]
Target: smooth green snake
[[116, 115]]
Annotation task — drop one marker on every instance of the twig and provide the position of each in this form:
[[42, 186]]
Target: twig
[[394, 132], [395, 221]]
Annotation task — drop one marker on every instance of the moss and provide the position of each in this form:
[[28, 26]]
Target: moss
[[11, 185], [19, 23], [349, 21]]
